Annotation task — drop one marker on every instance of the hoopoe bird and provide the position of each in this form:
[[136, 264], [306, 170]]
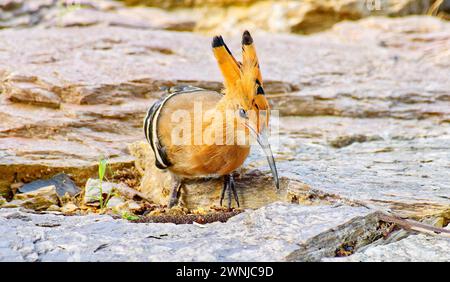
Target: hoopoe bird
[[243, 94]]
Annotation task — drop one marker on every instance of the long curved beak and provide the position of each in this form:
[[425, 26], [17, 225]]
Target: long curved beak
[[263, 141]]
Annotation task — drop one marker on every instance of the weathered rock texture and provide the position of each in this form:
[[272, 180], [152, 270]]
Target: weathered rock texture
[[407, 170], [413, 248], [271, 233], [401, 167], [38, 200], [277, 232], [64, 185], [73, 95], [365, 120], [230, 17], [305, 16], [61, 13]]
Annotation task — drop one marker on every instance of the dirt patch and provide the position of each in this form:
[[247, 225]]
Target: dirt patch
[[189, 218]]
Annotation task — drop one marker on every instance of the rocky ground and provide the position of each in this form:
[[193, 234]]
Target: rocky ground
[[364, 127]]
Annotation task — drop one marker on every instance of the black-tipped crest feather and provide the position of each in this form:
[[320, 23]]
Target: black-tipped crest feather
[[217, 41], [247, 38]]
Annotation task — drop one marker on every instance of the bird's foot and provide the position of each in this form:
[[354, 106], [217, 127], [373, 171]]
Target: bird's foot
[[228, 185]]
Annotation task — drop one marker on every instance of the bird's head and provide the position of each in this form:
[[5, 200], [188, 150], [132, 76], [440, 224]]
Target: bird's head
[[243, 82], [244, 91]]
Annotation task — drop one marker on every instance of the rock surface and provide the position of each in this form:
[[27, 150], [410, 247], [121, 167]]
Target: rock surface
[[407, 170], [306, 16], [40, 199], [277, 232], [404, 167], [61, 13], [102, 80], [69, 208], [230, 17], [364, 121], [420, 248], [95, 189], [64, 185], [99, 82], [269, 234]]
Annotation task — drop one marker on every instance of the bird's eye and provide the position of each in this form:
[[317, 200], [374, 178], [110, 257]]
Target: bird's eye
[[242, 113]]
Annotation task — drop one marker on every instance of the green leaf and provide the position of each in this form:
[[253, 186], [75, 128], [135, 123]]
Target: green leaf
[[129, 216], [102, 168]]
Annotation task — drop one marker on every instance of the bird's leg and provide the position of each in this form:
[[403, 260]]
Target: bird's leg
[[175, 192], [229, 194], [233, 189], [224, 188], [228, 184]]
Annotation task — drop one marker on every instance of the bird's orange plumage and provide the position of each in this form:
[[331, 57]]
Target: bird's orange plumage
[[241, 82], [197, 156]]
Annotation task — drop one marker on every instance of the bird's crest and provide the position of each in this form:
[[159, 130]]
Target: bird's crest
[[242, 81]]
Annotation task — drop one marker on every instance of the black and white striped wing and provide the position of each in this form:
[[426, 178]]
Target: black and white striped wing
[[151, 126]]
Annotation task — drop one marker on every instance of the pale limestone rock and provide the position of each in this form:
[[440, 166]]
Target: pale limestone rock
[[115, 203], [94, 189], [120, 206], [271, 233], [132, 206], [65, 187], [306, 16], [40, 199], [69, 208], [228, 17], [369, 101], [414, 248], [54, 208], [48, 13], [30, 93], [376, 76]]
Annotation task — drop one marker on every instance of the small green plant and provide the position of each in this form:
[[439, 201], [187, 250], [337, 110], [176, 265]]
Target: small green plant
[[129, 216], [102, 165]]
